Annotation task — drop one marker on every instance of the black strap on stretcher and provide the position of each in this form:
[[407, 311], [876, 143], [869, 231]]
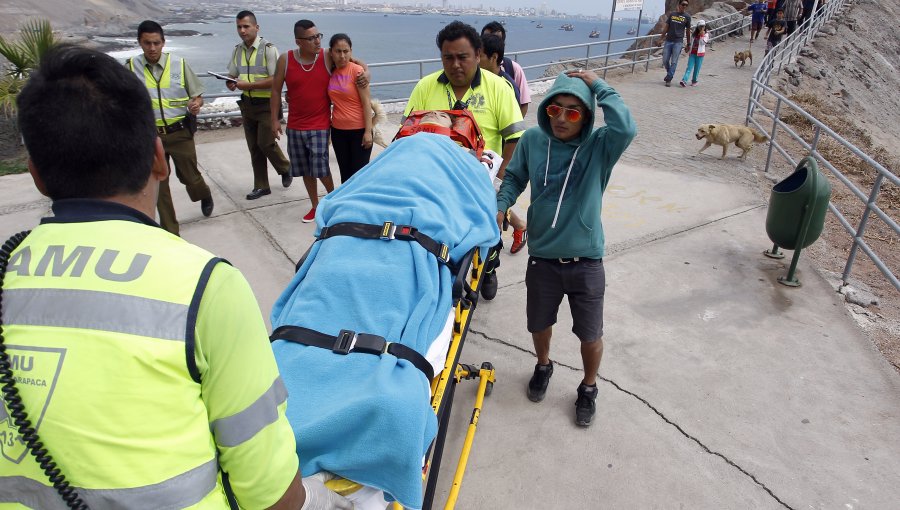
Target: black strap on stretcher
[[388, 231], [349, 341]]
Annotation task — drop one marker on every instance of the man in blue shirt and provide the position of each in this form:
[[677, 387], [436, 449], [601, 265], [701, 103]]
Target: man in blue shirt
[[757, 10]]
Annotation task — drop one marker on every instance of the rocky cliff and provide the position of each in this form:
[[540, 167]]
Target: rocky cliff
[[75, 14]]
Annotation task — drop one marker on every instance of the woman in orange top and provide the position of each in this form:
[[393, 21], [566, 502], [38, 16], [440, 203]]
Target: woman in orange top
[[351, 118]]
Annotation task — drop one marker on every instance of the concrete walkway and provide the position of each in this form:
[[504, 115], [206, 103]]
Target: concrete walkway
[[720, 388]]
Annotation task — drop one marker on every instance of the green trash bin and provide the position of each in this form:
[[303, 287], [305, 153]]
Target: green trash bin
[[797, 209]]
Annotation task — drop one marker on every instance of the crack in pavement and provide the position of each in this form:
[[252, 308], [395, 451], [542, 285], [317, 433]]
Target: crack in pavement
[[652, 408]]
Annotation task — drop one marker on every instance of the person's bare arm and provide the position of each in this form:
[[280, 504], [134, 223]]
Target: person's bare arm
[[365, 97], [277, 83], [293, 498], [508, 149]]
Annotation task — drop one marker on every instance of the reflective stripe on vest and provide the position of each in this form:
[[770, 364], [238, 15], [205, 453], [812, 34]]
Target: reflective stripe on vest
[[253, 67], [99, 319], [168, 94], [181, 491]]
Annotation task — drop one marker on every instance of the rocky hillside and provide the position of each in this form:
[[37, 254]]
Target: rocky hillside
[[75, 14]]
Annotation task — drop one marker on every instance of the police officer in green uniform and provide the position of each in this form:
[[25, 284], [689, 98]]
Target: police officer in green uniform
[[137, 369], [174, 91], [252, 65]]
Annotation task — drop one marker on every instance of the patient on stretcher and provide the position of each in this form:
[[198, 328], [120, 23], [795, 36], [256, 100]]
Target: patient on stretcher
[[362, 416]]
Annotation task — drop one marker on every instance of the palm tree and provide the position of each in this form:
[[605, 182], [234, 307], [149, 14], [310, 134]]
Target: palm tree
[[22, 56]]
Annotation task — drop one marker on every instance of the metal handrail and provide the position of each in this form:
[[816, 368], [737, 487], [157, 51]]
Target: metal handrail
[[780, 56], [722, 27]]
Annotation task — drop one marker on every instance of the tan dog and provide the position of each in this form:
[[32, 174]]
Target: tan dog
[[378, 116], [724, 134], [742, 56]]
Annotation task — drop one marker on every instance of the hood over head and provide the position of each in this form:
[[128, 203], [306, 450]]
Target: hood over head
[[574, 87]]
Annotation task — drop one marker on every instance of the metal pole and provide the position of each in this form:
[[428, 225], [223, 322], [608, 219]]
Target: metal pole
[[609, 37], [860, 232], [637, 34], [772, 136]]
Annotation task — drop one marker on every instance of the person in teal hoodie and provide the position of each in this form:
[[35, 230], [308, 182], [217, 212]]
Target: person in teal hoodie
[[568, 164]]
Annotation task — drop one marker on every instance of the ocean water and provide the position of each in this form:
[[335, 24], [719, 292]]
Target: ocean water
[[379, 38]]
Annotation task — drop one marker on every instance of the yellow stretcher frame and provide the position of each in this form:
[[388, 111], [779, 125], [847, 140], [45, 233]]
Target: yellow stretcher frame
[[443, 386]]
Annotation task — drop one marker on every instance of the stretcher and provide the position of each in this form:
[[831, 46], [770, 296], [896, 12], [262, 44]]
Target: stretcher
[[371, 393]]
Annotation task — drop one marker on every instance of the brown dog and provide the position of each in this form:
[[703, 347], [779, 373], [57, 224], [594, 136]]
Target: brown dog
[[742, 56], [725, 134]]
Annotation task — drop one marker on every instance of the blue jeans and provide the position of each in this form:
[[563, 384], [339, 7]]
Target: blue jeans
[[671, 52], [694, 63]]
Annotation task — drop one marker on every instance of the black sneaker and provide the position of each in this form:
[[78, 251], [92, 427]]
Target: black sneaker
[[489, 286], [585, 407], [537, 386], [287, 179]]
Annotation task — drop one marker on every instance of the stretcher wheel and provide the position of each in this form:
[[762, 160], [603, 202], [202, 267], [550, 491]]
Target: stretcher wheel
[[486, 365]]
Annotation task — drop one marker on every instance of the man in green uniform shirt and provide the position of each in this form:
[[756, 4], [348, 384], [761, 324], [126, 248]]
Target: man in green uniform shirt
[[252, 65], [175, 93]]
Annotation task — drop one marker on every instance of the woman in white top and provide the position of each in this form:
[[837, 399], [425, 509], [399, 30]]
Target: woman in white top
[[698, 50]]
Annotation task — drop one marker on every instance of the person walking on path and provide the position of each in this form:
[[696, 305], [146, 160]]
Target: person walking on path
[[698, 50], [678, 28], [568, 164], [462, 85], [757, 12], [252, 65], [776, 30], [792, 12], [306, 71], [492, 48], [163, 381], [351, 119], [175, 92]]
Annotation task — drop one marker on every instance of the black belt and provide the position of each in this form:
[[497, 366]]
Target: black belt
[[567, 260], [388, 231], [256, 100], [171, 128], [349, 341]]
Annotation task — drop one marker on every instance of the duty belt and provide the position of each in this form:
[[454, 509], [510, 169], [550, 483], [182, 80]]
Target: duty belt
[[350, 341], [171, 128], [388, 231]]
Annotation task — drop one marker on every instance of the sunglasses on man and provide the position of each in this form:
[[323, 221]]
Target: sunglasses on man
[[571, 114], [312, 38]]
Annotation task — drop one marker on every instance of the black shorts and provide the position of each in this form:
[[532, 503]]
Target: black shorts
[[583, 281]]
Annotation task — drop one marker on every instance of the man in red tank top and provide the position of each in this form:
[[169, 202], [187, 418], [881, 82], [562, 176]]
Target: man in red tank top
[[306, 71]]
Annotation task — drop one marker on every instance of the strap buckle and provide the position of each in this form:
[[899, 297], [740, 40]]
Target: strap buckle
[[344, 342], [390, 231]]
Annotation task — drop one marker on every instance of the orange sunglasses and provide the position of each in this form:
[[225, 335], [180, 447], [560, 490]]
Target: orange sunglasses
[[572, 115]]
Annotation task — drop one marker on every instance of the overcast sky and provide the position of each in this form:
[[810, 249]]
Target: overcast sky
[[592, 7]]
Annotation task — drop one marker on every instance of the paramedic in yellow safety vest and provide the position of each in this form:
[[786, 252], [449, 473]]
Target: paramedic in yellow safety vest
[[141, 360], [252, 65], [462, 85], [174, 91]]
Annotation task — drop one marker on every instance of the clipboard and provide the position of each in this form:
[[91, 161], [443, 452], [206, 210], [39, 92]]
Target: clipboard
[[221, 76]]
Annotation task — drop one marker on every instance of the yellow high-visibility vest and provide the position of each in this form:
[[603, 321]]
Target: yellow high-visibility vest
[[253, 67], [168, 94], [99, 320]]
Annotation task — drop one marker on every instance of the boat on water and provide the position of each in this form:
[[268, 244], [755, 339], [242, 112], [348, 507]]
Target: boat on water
[[568, 27], [594, 34], [539, 25], [631, 31]]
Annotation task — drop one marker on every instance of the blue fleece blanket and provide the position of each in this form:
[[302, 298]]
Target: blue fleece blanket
[[364, 417]]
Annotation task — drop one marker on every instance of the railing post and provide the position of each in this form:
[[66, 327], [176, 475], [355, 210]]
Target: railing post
[[861, 231], [649, 54], [421, 70], [587, 57], [772, 135], [815, 142]]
